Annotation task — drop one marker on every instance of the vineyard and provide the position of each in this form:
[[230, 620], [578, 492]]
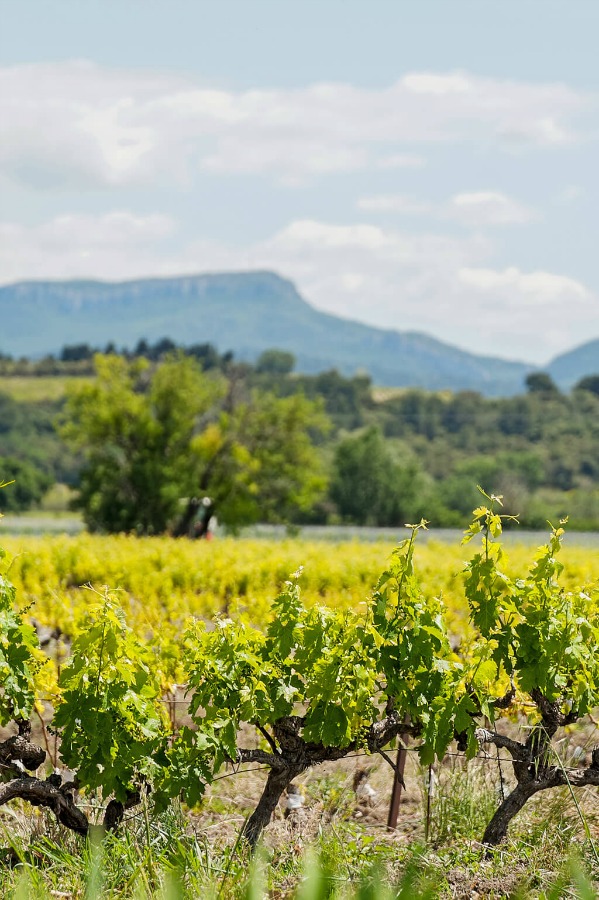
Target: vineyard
[[162, 581], [174, 697]]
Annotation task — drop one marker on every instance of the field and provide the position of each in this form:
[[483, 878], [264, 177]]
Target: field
[[38, 389], [435, 849], [163, 581]]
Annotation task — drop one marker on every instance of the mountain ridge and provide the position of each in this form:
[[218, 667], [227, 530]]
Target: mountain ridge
[[246, 312]]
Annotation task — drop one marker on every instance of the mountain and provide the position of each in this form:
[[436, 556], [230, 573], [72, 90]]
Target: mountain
[[245, 312], [570, 367]]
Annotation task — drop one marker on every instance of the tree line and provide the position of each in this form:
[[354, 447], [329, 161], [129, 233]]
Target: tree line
[[162, 437]]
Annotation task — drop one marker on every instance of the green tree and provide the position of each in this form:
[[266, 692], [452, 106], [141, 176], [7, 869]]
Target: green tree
[[256, 460], [275, 362], [540, 383], [588, 383], [514, 474], [152, 436], [134, 429], [345, 399], [30, 484], [370, 487]]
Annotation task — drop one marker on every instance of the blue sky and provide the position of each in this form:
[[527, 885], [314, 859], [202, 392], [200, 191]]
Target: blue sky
[[424, 165]]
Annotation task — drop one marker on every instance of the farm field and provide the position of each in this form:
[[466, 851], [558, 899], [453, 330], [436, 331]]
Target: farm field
[[435, 849]]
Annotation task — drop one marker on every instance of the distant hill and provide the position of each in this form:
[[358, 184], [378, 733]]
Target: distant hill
[[245, 312], [570, 367]]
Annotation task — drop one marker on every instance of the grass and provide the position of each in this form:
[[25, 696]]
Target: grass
[[38, 389], [382, 394], [463, 800], [328, 853], [338, 863]]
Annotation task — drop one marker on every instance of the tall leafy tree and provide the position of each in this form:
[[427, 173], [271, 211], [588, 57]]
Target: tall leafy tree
[[257, 460], [540, 383], [275, 362], [370, 487], [134, 427], [151, 436]]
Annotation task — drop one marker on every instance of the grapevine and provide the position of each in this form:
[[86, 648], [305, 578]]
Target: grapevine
[[312, 684]]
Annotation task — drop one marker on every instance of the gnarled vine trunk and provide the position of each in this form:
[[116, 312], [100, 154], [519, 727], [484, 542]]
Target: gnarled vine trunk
[[496, 830], [276, 784], [19, 756], [292, 755], [531, 762]]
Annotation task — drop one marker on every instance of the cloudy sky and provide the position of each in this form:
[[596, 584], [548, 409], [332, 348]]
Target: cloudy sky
[[415, 164]]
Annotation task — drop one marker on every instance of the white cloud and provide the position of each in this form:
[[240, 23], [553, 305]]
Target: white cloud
[[445, 286], [541, 130], [115, 245], [395, 203], [480, 208], [78, 125], [439, 85], [532, 288], [476, 209], [432, 283]]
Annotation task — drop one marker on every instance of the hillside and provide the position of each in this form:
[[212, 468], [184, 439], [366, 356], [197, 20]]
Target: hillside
[[243, 312], [570, 367]]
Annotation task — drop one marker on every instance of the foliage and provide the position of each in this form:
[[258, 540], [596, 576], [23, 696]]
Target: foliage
[[523, 446], [134, 430], [31, 448], [371, 487], [76, 353], [108, 716], [540, 636], [30, 484], [162, 580], [317, 683], [151, 437], [516, 474], [539, 641], [18, 643], [589, 383], [540, 383], [257, 461], [347, 401], [275, 362], [453, 437]]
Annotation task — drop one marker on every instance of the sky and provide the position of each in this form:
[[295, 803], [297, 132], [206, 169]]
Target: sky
[[421, 165]]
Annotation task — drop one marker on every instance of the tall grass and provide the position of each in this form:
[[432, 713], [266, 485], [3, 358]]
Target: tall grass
[[178, 866]]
